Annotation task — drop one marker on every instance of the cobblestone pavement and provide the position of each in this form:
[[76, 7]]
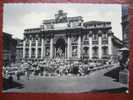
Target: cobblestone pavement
[[95, 81]]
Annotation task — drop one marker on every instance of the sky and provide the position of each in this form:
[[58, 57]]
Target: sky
[[17, 17]]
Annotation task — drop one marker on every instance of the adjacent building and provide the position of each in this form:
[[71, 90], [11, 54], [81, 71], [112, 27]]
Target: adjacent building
[[9, 48], [70, 38], [19, 51], [125, 25]]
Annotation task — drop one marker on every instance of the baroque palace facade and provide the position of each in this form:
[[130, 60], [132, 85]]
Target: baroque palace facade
[[70, 38]]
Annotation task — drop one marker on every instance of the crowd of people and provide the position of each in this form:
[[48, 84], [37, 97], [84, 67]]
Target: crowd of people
[[52, 67]]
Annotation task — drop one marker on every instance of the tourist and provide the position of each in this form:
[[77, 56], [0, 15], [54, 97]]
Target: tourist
[[10, 79], [28, 73], [18, 75]]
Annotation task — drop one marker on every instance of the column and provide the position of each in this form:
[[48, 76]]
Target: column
[[110, 44], [55, 52], [68, 47], [79, 47], [90, 48], [42, 48], [30, 47], [100, 47], [51, 48], [36, 55], [24, 42], [65, 52]]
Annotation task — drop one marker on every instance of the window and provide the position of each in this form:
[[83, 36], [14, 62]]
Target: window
[[39, 52], [27, 53], [105, 50], [27, 42], [104, 36], [95, 36], [85, 50], [86, 40], [33, 53], [39, 42], [95, 52], [34, 39]]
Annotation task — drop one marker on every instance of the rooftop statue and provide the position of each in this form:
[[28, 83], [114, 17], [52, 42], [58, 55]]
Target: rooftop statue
[[61, 17]]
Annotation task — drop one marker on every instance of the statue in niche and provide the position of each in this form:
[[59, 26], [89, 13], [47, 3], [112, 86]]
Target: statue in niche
[[47, 52], [59, 52]]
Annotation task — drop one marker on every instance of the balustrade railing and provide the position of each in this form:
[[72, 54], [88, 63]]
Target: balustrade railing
[[104, 41], [86, 42], [33, 44], [95, 41], [105, 56], [95, 56], [33, 56]]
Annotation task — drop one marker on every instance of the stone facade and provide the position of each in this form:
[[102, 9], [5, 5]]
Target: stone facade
[[69, 38]]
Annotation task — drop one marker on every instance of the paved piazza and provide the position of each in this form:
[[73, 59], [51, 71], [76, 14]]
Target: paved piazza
[[95, 81]]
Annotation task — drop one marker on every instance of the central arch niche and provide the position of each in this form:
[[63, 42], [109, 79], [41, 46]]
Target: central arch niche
[[60, 47]]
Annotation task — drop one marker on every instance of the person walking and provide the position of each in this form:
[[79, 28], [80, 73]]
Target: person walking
[[18, 75], [10, 79], [28, 74], [28, 71]]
